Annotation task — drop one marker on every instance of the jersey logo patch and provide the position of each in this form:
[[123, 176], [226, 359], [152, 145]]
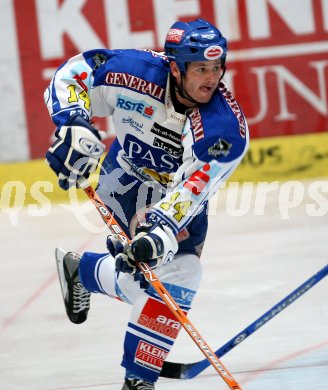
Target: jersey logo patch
[[134, 124], [170, 149], [135, 83], [174, 35], [144, 155], [99, 59], [197, 125], [158, 318], [150, 356], [220, 148], [140, 106], [166, 133]]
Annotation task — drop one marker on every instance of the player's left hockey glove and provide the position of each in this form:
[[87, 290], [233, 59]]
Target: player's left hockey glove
[[76, 152], [153, 244]]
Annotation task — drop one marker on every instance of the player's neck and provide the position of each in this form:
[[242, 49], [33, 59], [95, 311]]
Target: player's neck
[[179, 102]]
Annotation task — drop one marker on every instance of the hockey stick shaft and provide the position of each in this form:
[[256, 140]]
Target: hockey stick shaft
[[115, 228], [190, 370]]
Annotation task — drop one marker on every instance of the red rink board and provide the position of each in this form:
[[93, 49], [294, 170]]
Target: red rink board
[[278, 72]]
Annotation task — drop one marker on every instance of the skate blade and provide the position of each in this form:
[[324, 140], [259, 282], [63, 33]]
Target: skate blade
[[59, 254]]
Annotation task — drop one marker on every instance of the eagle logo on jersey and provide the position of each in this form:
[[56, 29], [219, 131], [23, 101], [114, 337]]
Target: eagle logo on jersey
[[220, 148]]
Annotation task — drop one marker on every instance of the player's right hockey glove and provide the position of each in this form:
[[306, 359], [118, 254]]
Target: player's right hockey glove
[[153, 244], [76, 151]]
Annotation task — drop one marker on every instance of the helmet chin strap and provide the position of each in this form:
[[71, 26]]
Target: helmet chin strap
[[182, 92]]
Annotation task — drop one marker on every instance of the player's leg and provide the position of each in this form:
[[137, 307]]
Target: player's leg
[[93, 273], [152, 328], [98, 275], [120, 192]]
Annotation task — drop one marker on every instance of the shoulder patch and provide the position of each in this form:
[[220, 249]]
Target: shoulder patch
[[220, 148]]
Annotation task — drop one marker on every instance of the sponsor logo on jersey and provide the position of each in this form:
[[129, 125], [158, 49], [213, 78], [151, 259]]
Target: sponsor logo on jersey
[[198, 181], [158, 318], [79, 79], [99, 60], [140, 106], [174, 35], [235, 108], [220, 148], [166, 133], [144, 155], [177, 152], [150, 356], [213, 52], [135, 83], [134, 124], [187, 295], [196, 124]]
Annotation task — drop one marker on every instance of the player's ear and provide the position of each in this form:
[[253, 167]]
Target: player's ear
[[174, 69]]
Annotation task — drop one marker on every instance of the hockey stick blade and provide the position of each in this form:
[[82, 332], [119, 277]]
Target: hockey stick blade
[[190, 370]]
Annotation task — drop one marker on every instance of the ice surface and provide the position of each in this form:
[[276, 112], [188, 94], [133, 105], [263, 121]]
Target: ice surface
[[250, 263]]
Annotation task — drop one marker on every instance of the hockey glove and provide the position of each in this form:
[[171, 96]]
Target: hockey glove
[[119, 251], [153, 244], [76, 151]]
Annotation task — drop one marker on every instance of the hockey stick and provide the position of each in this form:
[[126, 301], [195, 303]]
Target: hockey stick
[[115, 228], [190, 370]]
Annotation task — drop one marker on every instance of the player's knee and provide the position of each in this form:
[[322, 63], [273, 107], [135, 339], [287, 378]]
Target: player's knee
[[190, 269], [185, 270], [181, 278], [97, 272]]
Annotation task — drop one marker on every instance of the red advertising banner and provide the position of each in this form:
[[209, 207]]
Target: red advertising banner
[[277, 60]]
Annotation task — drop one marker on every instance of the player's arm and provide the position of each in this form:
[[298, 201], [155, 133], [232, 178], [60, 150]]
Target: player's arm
[[210, 162], [157, 243], [78, 147], [69, 91]]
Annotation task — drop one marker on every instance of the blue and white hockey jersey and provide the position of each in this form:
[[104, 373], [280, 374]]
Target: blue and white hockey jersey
[[188, 155]]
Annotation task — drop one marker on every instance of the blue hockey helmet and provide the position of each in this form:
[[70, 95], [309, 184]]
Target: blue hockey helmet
[[194, 41]]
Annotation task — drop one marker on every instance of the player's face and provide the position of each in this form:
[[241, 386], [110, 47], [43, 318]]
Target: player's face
[[201, 80]]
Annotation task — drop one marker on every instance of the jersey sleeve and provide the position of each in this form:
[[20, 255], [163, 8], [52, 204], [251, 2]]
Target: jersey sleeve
[[215, 139], [71, 87]]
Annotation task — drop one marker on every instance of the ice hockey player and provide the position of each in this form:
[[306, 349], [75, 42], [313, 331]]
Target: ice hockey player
[[179, 134]]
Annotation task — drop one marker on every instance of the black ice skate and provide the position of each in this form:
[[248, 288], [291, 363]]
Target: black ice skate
[[137, 384], [76, 297]]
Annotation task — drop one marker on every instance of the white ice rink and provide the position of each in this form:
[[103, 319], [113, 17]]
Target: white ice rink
[[250, 263]]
